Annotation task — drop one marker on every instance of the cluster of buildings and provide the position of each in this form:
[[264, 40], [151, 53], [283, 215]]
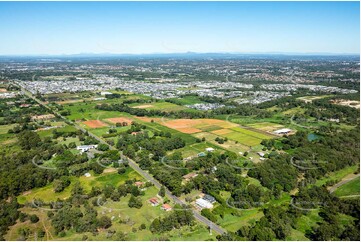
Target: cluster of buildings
[[205, 106], [314, 88], [256, 97], [5, 95], [205, 201], [155, 202]]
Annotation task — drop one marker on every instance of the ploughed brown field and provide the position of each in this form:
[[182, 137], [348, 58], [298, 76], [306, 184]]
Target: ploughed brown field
[[94, 124]]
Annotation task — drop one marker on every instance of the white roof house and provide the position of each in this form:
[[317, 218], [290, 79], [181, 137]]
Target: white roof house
[[85, 148], [105, 93], [282, 131], [202, 203], [260, 154], [209, 149]]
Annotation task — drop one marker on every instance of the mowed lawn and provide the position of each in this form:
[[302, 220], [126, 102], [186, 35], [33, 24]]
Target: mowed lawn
[[349, 189]]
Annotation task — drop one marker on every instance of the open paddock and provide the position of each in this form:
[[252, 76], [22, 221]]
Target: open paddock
[[144, 106], [94, 124], [189, 130], [349, 103], [221, 131], [252, 133], [119, 120], [194, 149], [162, 106], [243, 138], [202, 124], [266, 126], [229, 145]]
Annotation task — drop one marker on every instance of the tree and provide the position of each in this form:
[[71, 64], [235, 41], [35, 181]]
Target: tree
[[28, 139], [162, 191], [121, 236], [60, 184], [104, 222], [208, 214], [34, 219], [103, 147], [135, 202]]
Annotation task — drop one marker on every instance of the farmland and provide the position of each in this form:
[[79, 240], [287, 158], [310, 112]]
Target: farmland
[[216, 127], [118, 138], [164, 106]]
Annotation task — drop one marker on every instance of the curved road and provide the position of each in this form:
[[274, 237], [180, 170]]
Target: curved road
[[135, 166]]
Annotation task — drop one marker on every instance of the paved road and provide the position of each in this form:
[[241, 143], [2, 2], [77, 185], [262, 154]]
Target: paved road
[[334, 187], [135, 166]]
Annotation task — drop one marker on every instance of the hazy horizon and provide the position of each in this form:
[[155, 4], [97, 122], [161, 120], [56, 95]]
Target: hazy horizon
[[143, 28]]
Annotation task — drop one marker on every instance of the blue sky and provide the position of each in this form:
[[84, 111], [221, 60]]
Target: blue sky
[[169, 27]]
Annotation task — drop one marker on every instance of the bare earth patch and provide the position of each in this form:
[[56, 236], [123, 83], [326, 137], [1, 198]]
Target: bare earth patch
[[109, 170], [144, 106], [94, 124], [189, 130], [120, 120], [350, 103]]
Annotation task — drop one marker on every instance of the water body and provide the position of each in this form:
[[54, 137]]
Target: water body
[[312, 137]]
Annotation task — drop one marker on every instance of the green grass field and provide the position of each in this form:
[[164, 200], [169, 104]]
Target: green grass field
[[88, 111], [163, 106], [209, 128], [337, 175], [5, 128], [47, 194], [349, 189], [194, 149], [100, 131]]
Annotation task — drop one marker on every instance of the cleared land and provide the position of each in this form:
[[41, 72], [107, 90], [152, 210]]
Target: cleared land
[[200, 124], [120, 120], [163, 106], [94, 124], [349, 103], [213, 128], [266, 126], [308, 99]]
